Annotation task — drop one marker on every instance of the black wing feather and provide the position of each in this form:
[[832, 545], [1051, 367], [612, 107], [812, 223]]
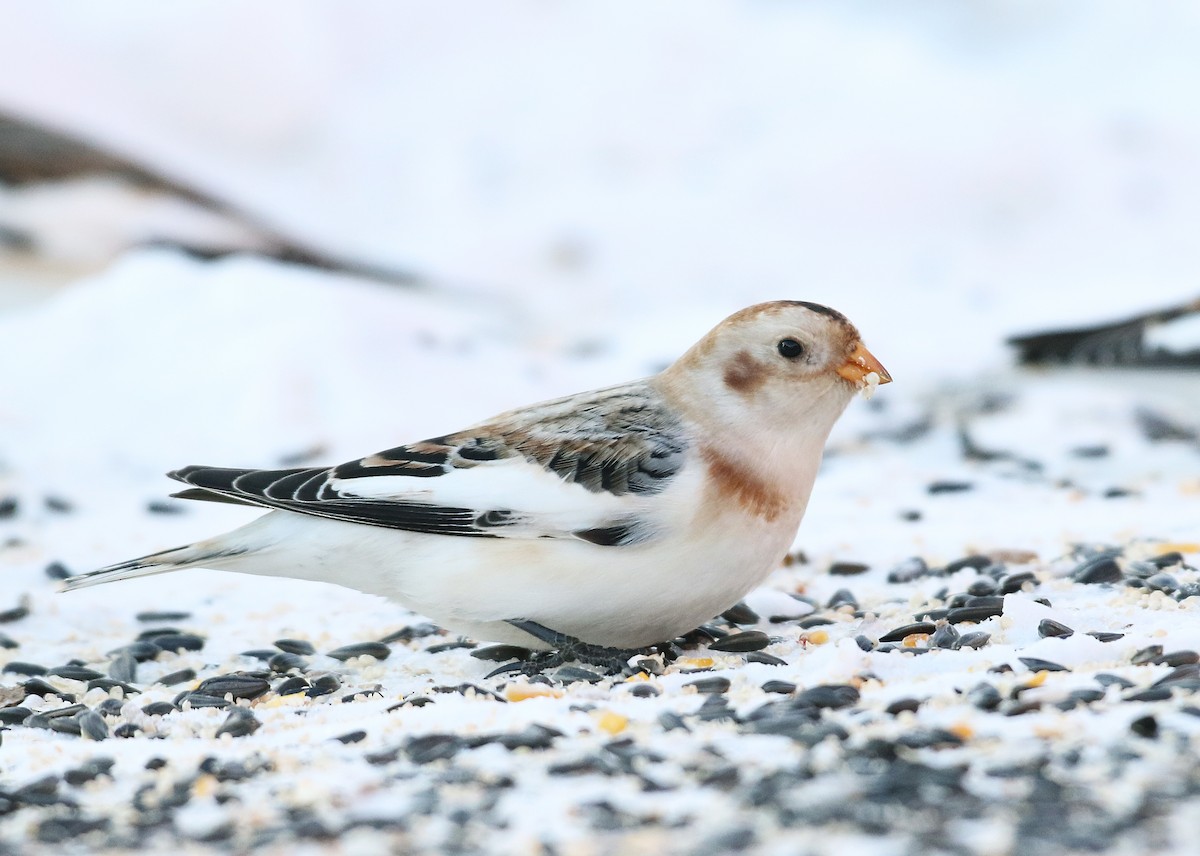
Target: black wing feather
[[623, 441], [277, 489]]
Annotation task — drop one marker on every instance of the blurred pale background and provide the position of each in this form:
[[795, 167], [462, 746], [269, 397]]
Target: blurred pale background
[[618, 176], [938, 152]]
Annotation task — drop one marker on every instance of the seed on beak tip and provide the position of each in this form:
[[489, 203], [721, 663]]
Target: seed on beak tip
[[870, 383], [861, 363]]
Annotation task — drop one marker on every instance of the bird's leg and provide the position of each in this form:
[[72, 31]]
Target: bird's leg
[[613, 660]]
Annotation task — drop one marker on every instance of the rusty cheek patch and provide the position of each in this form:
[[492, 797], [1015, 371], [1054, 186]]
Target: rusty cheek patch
[[744, 374], [732, 481]]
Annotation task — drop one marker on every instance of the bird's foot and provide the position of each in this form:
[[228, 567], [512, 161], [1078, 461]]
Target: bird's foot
[[535, 664], [614, 661]]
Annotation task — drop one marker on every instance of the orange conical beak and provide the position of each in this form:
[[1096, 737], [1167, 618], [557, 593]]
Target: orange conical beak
[[861, 363]]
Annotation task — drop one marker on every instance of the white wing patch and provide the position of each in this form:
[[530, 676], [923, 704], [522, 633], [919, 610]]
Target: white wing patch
[[539, 499]]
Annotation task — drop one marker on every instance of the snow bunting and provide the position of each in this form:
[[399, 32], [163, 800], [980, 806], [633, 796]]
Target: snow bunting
[[611, 519]]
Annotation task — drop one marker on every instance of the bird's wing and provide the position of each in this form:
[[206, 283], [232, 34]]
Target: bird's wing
[[581, 467]]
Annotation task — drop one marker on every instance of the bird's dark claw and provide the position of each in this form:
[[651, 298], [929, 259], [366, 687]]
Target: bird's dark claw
[[535, 665], [615, 661]]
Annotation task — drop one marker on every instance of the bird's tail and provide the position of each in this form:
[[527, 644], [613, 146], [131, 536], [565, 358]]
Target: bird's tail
[[193, 555]]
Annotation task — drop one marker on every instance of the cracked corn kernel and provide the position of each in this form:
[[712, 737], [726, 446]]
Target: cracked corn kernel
[[962, 730], [205, 786], [613, 723], [520, 692]]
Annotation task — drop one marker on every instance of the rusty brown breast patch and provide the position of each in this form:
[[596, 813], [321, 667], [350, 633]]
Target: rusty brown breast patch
[[744, 374], [737, 482]]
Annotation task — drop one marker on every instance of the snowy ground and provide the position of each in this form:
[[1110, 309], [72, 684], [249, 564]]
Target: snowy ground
[[834, 740], [586, 193]]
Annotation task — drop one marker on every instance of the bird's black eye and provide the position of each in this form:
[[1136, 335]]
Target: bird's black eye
[[790, 348]]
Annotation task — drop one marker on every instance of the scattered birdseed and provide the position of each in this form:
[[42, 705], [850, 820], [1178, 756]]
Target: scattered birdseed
[[284, 662], [899, 633], [1050, 627], [237, 685], [947, 637], [812, 621], [982, 588], [1101, 569], [324, 685], [450, 646], [1146, 655], [1037, 664], [842, 597], [261, 653], [196, 699], [1158, 428], [939, 487], [14, 715], [297, 684], [765, 659], [123, 667], [710, 685], [178, 642], [174, 678], [167, 615], [974, 639], [739, 613], [15, 613], [1163, 582], [92, 725], [74, 673], [1168, 559], [501, 653], [1145, 726], [645, 690], [750, 640], [901, 705], [1015, 582], [908, 571], [57, 571], [240, 723], [848, 569], [973, 613], [573, 674], [781, 687], [1180, 658], [378, 650]]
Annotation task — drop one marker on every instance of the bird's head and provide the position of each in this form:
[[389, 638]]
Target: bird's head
[[782, 364]]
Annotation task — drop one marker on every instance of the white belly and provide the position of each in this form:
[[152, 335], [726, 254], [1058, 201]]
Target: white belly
[[622, 596]]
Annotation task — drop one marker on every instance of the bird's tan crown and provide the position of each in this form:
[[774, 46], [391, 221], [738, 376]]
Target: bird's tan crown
[[742, 347]]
